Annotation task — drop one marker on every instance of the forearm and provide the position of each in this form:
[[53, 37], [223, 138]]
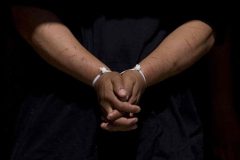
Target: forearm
[[178, 51], [55, 43]]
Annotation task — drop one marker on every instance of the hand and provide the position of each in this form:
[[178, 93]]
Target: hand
[[134, 85], [110, 90], [110, 93]]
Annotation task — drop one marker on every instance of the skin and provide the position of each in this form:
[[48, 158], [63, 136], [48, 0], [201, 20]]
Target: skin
[[55, 43], [118, 93], [178, 51]]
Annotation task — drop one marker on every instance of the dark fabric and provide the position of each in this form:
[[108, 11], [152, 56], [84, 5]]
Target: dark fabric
[[60, 117], [51, 127]]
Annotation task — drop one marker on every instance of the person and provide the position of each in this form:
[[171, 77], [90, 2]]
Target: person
[[114, 88]]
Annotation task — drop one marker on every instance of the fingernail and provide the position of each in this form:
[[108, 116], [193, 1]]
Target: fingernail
[[135, 120], [130, 114], [138, 109], [109, 117]]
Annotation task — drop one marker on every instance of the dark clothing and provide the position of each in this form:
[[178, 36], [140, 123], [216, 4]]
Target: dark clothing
[[60, 116]]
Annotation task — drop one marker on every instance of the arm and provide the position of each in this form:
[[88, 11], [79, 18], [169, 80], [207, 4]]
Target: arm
[[179, 50], [57, 45]]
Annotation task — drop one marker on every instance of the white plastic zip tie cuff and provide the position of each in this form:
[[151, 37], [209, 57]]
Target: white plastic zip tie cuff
[[103, 70], [138, 68]]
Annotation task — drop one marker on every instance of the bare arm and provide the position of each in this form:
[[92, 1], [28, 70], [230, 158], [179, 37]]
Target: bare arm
[[178, 51], [55, 43]]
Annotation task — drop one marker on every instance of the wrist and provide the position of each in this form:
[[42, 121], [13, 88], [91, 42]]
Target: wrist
[[138, 69], [103, 70]]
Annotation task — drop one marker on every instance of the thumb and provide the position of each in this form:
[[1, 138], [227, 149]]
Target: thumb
[[122, 92], [119, 90]]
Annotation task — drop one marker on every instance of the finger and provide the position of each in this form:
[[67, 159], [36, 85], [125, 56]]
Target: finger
[[106, 109], [125, 106], [110, 101], [138, 89], [115, 114], [136, 92], [128, 85], [125, 122], [121, 125], [119, 129]]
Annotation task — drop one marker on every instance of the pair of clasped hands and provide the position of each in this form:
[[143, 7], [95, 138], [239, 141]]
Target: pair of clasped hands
[[118, 95]]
